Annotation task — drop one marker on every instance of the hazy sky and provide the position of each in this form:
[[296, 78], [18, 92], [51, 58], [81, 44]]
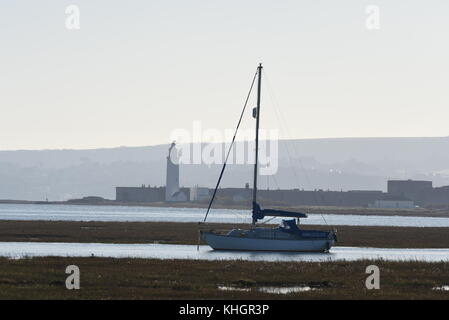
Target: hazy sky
[[137, 70]]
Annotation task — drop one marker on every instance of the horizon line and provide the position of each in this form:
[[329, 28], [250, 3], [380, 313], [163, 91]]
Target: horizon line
[[221, 142]]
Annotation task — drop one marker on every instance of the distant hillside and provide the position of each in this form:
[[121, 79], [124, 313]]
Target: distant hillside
[[336, 164]]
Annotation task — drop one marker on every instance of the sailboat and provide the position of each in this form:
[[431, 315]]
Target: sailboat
[[286, 237]]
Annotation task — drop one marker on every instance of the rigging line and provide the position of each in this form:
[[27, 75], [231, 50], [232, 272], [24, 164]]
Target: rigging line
[[275, 181], [281, 118], [296, 151], [268, 220], [283, 127], [230, 146]]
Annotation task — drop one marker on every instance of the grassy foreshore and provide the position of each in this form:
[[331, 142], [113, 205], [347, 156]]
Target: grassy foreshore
[[108, 278], [105, 278], [187, 233]]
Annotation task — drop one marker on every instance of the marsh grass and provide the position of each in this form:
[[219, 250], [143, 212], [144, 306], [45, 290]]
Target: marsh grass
[[107, 278]]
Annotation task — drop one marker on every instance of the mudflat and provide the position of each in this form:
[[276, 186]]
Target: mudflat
[[187, 233]]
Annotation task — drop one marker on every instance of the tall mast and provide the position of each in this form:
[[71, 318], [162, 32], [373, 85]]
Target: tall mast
[[257, 115]]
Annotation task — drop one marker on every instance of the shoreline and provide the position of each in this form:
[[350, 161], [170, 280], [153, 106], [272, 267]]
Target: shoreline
[[418, 212]]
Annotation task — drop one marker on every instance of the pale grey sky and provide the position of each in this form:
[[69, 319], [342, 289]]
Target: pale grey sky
[[137, 70]]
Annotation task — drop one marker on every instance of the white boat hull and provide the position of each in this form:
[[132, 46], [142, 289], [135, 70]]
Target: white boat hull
[[223, 242]]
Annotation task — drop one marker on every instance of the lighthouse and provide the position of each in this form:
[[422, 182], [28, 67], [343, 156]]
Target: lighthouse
[[172, 192]]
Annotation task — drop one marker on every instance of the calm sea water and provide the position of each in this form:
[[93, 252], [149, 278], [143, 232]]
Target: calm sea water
[[123, 213], [18, 250]]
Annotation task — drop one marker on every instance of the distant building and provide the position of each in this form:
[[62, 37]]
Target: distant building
[[415, 190], [439, 197], [401, 193], [143, 194], [171, 193], [199, 194], [393, 204], [140, 194]]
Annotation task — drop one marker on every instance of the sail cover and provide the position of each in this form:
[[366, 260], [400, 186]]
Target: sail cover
[[259, 213]]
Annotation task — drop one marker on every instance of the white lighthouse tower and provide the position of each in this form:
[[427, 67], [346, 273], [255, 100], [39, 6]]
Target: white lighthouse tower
[[172, 192]]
